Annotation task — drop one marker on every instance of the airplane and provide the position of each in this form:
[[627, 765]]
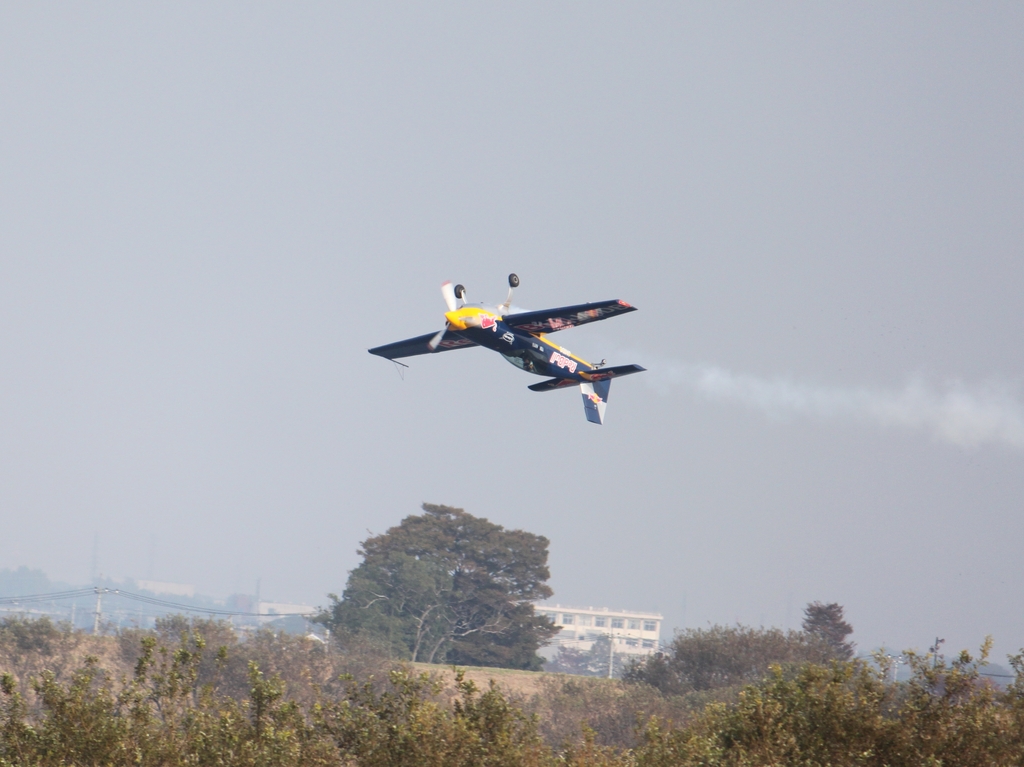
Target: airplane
[[521, 339]]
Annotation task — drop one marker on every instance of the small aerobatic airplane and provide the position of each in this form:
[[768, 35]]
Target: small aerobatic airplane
[[520, 338]]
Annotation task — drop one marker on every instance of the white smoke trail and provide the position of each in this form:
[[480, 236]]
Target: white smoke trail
[[955, 413]]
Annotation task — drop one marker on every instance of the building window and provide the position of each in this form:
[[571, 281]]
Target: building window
[[650, 625], [617, 623], [634, 624], [553, 617], [600, 622], [584, 620], [648, 644], [567, 619], [631, 643]]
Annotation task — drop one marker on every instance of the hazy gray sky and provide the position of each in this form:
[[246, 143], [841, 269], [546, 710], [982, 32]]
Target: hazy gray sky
[[209, 212]]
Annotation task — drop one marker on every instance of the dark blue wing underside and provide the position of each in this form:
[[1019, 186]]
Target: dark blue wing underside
[[597, 377], [413, 346], [553, 383], [605, 374], [550, 320]]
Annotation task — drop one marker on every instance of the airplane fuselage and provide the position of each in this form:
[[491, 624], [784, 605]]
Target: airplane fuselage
[[534, 353]]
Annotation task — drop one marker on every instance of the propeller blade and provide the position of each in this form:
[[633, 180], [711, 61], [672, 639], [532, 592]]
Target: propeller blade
[[433, 342], [449, 298]]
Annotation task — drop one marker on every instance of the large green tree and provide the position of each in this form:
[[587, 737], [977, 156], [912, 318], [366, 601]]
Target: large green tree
[[447, 586]]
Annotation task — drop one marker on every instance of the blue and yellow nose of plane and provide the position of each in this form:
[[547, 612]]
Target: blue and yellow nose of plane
[[456, 319], [467, 317]]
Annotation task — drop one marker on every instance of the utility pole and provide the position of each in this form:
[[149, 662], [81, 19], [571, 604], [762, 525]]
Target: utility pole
[[896, 661], [98, 614], [611, 655]]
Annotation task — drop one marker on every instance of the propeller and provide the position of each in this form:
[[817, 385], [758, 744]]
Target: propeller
[[449, 299], [448, 291], [433, 342]]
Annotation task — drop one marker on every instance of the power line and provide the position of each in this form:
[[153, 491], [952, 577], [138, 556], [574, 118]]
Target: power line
[[155, 601], [52, 597]]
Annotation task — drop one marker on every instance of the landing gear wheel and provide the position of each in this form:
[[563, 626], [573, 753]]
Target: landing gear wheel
[[513, 281], [460, 291]]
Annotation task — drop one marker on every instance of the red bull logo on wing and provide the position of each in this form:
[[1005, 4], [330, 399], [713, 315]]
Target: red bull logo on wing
[[488, 322], [562, 361]]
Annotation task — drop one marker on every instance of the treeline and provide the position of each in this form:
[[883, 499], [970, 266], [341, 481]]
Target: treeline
[[193, 693], [720, 656]]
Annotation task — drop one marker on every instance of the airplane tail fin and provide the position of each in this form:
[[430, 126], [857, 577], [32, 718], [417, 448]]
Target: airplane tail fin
[[595, 399], [595, 393]]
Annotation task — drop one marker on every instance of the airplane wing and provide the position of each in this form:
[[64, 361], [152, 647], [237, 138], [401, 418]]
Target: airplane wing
[[604, 374], [601, 374], [550, 320], [418, 345], [553, 383]]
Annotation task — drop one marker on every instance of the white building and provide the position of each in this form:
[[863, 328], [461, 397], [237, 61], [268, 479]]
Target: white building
[[162, 587], [631, 632], [283, 609]]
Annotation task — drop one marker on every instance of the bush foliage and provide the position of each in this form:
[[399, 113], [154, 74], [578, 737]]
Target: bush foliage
[[726, 656], [193, 694]]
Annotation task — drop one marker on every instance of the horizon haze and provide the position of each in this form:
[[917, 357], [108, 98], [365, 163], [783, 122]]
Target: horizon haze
[[209, 212]]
